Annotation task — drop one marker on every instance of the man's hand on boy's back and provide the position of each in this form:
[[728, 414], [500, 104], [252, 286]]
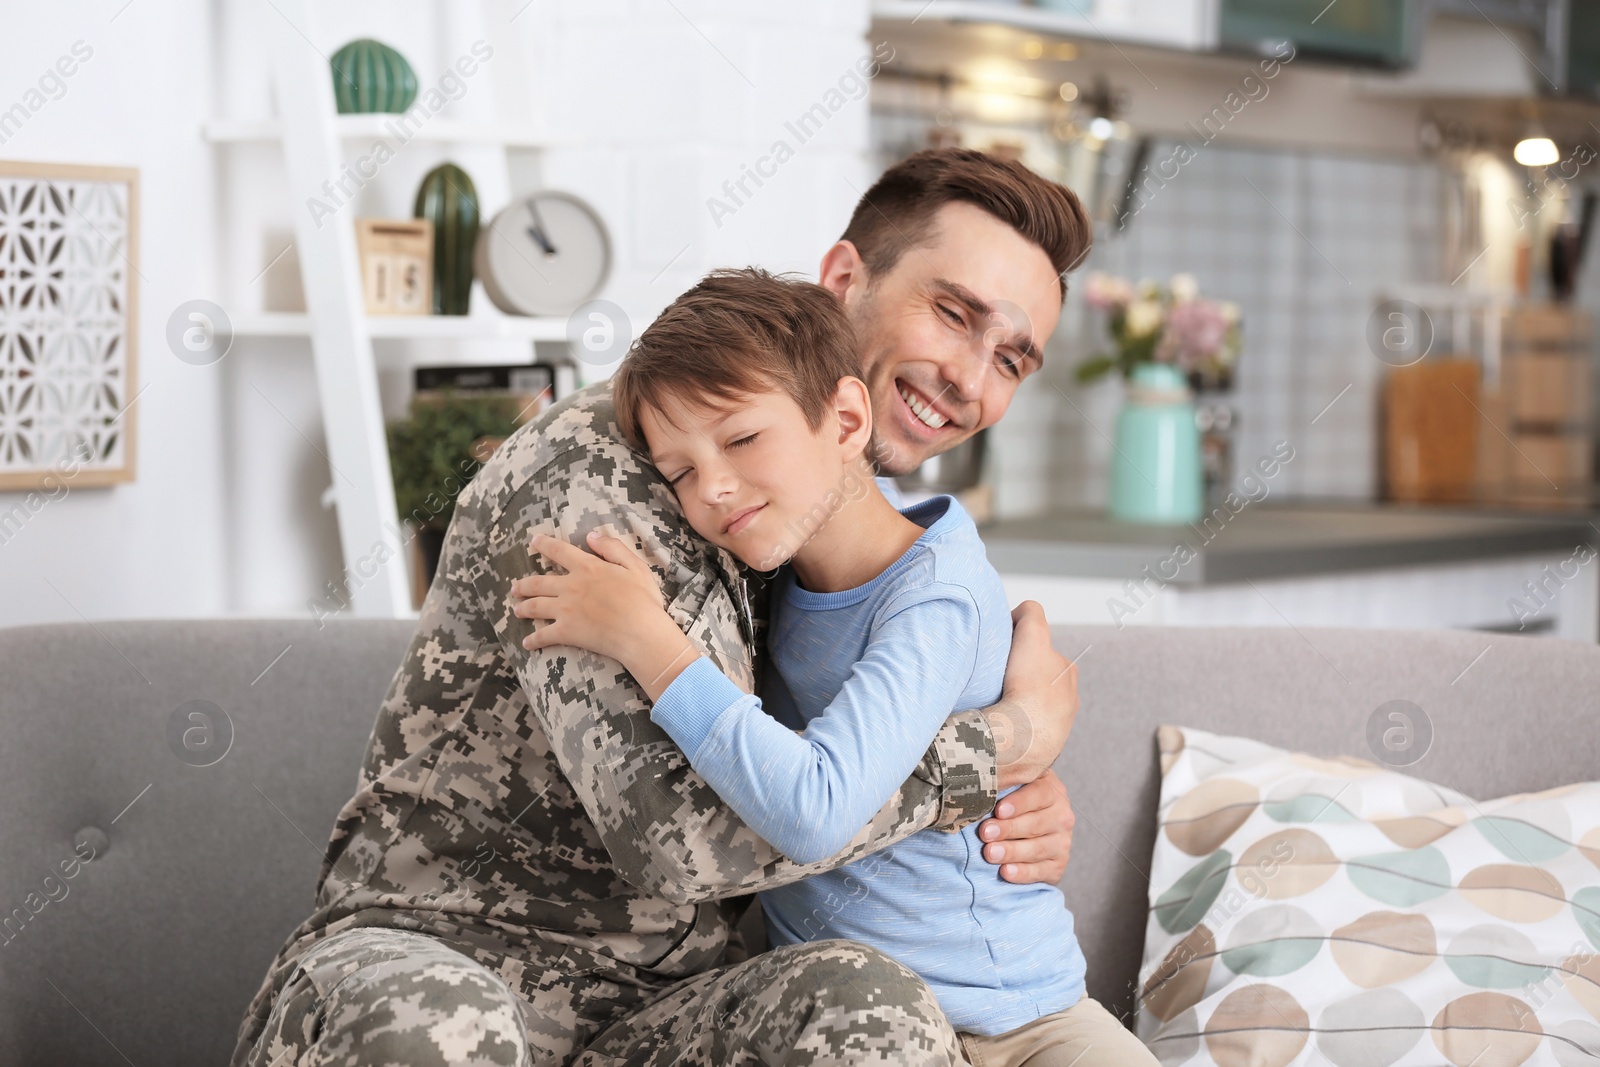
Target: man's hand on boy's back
[[1030, 836], [1038, 702]]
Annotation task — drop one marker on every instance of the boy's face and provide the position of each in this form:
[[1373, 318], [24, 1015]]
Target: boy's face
[[956, 325], [755, 478]]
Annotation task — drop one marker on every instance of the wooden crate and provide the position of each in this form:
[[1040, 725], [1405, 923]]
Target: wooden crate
[[1544, 414], [1549, 466], [1551, 327], [1550, 389]]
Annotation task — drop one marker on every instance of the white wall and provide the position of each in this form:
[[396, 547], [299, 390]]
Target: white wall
[[653, 107], [663, 108], [153, 547]]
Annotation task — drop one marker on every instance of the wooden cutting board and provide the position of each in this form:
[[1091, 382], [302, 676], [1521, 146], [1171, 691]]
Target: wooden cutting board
[[1430, 431]]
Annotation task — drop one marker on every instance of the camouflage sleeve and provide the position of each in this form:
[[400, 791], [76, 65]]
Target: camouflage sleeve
[[965, 750], [665, 828]]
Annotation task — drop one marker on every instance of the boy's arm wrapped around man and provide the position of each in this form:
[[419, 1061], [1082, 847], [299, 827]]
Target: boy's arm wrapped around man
[[810, 794], [664, 826]]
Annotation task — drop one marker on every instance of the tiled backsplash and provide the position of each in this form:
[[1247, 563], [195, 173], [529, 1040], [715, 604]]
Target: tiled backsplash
[[1306, 244]]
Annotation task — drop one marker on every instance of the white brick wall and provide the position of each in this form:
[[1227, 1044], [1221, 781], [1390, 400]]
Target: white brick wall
[[656, 105]]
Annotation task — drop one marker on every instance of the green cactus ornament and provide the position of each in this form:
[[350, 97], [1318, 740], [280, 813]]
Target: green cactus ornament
[[370, 76], [449, 200]]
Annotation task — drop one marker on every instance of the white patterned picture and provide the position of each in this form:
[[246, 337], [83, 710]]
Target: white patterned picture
[[68, 300]]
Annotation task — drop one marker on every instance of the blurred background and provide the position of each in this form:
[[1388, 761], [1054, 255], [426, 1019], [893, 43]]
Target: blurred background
[[275, 277]]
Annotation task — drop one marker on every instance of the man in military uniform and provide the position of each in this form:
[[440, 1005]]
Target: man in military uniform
[[530, 872]]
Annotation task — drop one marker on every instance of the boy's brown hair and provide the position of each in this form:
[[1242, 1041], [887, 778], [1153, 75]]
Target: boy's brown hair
[[735, 333], [897, 213]]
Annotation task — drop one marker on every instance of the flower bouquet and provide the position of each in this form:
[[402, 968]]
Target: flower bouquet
[[1172, 325]]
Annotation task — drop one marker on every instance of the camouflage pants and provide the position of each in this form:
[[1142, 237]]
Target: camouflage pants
[[381, 997]]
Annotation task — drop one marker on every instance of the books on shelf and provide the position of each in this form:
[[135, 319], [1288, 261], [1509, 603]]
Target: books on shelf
[[535, 386]]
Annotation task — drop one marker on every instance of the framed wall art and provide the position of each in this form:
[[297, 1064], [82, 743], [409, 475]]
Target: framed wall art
[[69, 298]]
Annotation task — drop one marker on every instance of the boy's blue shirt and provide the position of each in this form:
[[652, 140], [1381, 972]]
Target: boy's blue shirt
[[870, 674]]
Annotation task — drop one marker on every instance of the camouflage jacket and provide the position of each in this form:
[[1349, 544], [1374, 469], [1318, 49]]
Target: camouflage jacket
[[509, 796]]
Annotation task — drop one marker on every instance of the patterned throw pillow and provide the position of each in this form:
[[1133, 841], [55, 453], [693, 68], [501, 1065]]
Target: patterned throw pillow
[[1316, 911]]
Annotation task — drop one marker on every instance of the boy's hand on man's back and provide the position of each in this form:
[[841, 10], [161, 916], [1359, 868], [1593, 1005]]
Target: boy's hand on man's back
[[607, 602], [1038, 701]]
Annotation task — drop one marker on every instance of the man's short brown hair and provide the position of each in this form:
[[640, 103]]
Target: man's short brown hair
[[735, 333], [897, 213]]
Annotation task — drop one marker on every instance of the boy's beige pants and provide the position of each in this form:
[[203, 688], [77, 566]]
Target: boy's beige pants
[[1084, 1035]]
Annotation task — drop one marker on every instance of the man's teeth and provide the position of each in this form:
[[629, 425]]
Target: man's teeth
[[921, 410]]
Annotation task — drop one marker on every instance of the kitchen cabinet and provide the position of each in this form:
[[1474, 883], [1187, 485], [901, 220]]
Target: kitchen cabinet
[[1583, 48], [1364, 31], [1182, 24]]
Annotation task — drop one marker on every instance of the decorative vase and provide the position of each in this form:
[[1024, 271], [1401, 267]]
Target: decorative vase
[[1156, 468], [449, 200], [370, 76]]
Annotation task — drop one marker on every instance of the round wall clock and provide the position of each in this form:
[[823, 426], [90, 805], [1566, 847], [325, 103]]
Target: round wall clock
[[545, 254]]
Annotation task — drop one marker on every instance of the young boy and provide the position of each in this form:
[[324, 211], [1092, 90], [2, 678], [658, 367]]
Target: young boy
[[745, 395]]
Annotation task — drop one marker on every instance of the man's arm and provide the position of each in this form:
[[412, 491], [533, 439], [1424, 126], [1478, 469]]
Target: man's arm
[[1031, 836], [1038, 704]]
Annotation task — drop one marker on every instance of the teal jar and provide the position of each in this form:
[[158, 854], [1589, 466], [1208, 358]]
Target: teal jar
[[449, 200], [369, 76], [1156, 470]]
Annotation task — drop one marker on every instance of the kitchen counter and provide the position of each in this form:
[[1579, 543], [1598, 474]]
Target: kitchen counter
[[1364, 565], [1276, 541]]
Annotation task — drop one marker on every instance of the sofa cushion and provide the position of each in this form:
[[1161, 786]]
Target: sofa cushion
[[166, 792], [1304, 689], [1340, 906]]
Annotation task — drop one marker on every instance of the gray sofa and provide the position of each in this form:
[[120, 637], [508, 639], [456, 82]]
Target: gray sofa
[[149, 951]]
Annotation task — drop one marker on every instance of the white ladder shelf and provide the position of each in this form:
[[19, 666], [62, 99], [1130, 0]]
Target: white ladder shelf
[[376, 570]]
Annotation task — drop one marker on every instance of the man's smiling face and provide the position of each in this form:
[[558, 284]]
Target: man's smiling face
[[949, 332]]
